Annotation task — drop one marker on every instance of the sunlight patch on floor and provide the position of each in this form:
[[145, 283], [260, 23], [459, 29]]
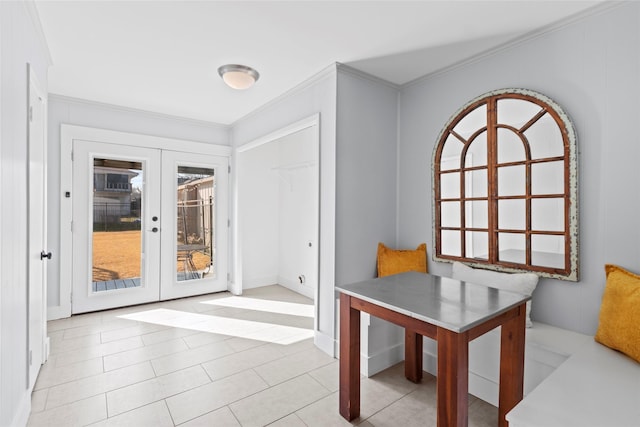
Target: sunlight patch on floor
[[281, 307], [261, 331]]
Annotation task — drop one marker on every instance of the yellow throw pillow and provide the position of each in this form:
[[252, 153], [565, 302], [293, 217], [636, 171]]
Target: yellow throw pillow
[[619, 326], [394, 261]]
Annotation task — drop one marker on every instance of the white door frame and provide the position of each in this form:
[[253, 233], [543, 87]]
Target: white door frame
[[69, 133], [235, 286]]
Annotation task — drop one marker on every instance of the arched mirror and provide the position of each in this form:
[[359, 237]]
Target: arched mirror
[[505, 186]]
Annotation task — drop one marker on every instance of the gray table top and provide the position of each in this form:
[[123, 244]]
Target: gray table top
[[448, 303]]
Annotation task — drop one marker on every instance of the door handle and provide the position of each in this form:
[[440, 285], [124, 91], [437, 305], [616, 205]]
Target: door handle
[[44, 255]]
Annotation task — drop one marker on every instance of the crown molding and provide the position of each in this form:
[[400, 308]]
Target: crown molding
[[151, 114], [347, 69]]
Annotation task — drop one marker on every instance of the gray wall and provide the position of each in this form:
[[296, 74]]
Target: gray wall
[[63, 110], [366, 173], [366, 198], [591, 67], [19, 44]]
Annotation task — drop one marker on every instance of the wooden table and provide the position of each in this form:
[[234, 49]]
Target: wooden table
[[450, 311]]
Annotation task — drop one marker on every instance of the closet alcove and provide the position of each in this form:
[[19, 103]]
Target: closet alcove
[[278, 209]]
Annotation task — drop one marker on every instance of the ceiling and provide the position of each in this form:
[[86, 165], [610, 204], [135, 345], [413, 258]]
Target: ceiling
[[162, 56]]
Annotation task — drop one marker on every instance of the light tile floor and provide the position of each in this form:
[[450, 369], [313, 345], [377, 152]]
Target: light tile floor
[[215, 360]]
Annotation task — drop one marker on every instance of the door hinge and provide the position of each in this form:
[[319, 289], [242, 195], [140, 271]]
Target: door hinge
[[228, 223], [72, 226], [228, 276], [30, 113], [229, 168], [72, 155]]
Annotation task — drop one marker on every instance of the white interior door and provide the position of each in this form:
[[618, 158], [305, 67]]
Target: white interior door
[[195, 224], [116, 225], [37, 234]]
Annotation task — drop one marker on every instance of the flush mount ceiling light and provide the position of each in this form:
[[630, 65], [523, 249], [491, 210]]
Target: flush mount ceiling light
[[238, 76]]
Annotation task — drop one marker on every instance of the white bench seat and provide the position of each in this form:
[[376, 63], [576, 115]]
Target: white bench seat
[[595, 387], [546, 348]]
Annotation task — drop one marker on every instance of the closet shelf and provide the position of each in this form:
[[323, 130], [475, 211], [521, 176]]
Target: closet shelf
[[284, 171], [294, 166]]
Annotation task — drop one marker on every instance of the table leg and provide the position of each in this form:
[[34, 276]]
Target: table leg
[[412, 356], [453, 379], [512, 344], [349, 359]]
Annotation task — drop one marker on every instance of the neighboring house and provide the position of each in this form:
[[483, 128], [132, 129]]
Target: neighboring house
[[113, 194]]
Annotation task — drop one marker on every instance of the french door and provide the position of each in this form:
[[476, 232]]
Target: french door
[[194, 240], [148, 225]]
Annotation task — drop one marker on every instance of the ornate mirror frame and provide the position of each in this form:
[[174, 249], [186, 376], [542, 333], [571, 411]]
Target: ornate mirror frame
[[505, 186]]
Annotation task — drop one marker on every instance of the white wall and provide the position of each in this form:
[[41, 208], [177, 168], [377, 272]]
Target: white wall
[[298, 211], [591, 67], [259, 210], [20, 43], [63, 110]]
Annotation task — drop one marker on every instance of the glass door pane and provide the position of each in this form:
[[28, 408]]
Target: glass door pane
[[195, 224], [116, 225], [117, 220], [195, 227]]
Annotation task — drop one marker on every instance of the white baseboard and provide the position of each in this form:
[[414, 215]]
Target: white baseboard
[[325, 343], [24, 409], [479, 386], [371, 365], [295, 286], [484, 389], [430, 363], [58, 312], [258, 282], [386, 358]]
